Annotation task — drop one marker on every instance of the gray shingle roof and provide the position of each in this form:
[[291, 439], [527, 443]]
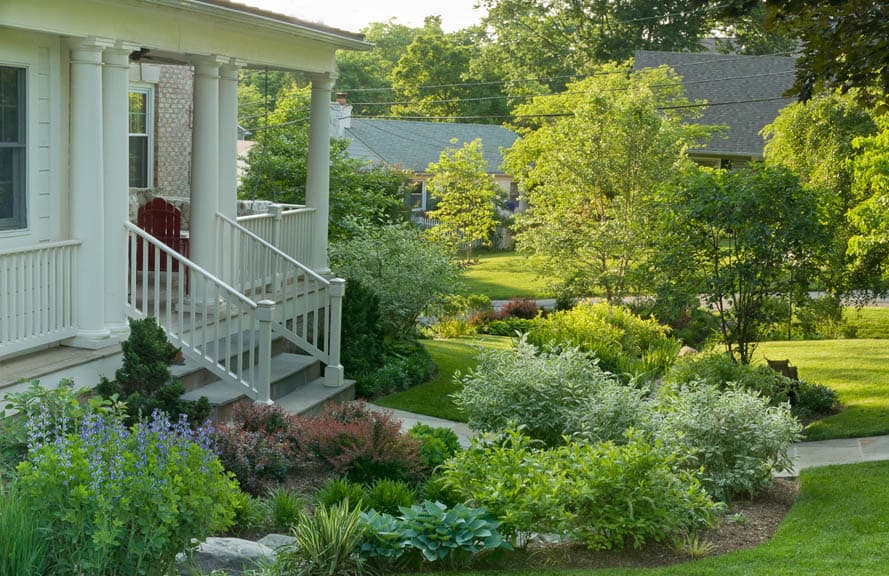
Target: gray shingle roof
[[413, 145], [704, 75]]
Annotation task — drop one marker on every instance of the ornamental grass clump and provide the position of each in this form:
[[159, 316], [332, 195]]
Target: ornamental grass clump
[[114, 500]]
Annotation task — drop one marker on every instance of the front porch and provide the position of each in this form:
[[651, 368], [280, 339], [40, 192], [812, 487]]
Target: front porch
[[245, 282]]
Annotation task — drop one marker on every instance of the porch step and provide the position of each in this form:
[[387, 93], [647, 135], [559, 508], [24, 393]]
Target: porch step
[[290, 375], [310, 399]]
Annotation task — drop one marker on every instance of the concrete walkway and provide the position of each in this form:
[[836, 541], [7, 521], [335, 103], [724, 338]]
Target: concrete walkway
[[805, 454]]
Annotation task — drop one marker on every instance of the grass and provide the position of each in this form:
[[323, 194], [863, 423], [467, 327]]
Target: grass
[[433, 398], [856, 369], [839, 525], [504, 275], [868, 322]]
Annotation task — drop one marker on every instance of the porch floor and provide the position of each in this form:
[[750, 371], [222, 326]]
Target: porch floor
[[48, 360]]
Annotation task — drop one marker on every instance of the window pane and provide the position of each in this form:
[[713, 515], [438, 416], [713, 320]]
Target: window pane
[[11, 80], [7, 191], [139, 161], [12, 149], [138, 111]]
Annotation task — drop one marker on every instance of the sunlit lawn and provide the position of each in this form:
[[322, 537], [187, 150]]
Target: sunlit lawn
[[857, 369], [504, 275], [433, 398], [868, 322]]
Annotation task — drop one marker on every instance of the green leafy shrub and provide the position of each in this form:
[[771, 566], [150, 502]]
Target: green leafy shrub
[[523, 308], [383, 542], [505, 327], [403, 368], [362, 346], [327, 543], [452, 315], [362, 444], [250, 513], [144, 382], [23, 550], [406, 271], [390, 495], [733, 434], [624, 343], [283, 509], [117, 501], [436, 444], [338, 490], [607, 495], [807, 400], [528, 387], [260, 447]]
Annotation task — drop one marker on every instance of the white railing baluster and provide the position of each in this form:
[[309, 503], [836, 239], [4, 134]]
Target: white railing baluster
[[35, 296]]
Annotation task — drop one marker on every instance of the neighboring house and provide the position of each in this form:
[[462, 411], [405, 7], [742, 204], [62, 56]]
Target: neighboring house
[[412, 145], [107, 104], [744, 94]]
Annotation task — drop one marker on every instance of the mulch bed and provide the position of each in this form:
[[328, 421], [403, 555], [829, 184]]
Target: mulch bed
[[761, 517]]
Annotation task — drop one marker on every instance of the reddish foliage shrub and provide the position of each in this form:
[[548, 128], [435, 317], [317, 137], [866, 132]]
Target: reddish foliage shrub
[[362, 444], [260, 447], [519, 308], [482, 318]]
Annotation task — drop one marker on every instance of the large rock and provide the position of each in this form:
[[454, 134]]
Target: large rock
[[233, 555], [275, 541]]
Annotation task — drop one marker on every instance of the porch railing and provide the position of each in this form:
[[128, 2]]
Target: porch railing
[[308, 308], [289, 227], [36, 295], [214, 324]]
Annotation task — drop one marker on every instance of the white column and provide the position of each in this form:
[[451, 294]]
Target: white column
[[115, 181], [318, 169], [85, 177], [205, 163], [228, 139]]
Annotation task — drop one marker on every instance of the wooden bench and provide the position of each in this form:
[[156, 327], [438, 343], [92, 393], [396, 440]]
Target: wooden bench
[[163, 221]]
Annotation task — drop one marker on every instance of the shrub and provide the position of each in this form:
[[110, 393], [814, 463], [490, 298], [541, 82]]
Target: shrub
[[733, 434], [624, 343], [506, 327], [520, 308], [452, 315], [607, 415], [436, 444], [362, 444], [604, 494], [409, 366], [527, 387], [807, 401], [144, 383], [23, 547], [260, 447], [250, 513], [118, 501], [390, 495], [405, 271], [283, 509], [362, 346], [326, 543], [340, 490]]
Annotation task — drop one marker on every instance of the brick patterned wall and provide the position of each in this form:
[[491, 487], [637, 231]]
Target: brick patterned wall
[[173, 120]]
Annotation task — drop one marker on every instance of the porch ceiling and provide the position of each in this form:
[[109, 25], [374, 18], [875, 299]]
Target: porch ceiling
[[189, 27]]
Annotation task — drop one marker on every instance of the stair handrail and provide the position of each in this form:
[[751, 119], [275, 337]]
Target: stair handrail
[[258, 363]]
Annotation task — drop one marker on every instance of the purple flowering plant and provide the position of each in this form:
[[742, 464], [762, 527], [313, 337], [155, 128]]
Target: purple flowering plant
[[118, 500]]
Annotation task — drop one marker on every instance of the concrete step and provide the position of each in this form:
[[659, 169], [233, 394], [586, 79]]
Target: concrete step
[[310, 399], [289, 373]]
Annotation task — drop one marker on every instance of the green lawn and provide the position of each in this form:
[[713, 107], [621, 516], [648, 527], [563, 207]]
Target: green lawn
[[433, 397], [504, 275], [869, 322], [857, 369], [838, 526]]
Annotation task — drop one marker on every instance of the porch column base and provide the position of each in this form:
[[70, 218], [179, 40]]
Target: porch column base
[[94, 340], [333, 376]]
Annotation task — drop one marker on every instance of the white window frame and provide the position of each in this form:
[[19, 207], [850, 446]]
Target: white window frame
[[19, 221], [149, 91]]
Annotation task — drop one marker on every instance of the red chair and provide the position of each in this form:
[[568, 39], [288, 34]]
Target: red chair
[[163, 221]]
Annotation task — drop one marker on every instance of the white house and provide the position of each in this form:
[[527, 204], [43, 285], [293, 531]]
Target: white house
[[74, 268]]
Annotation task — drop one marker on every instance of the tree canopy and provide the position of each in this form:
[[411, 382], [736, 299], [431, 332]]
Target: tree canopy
[[591, 161]]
